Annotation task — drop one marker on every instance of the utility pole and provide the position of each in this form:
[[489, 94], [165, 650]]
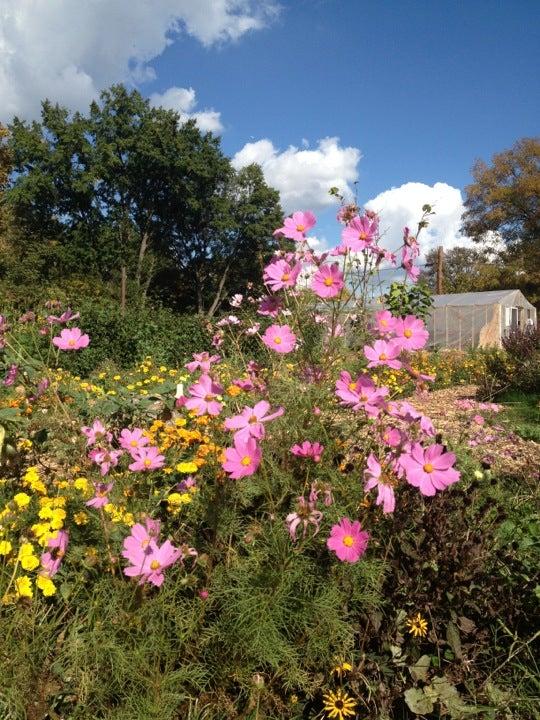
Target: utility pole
[[439, 271]]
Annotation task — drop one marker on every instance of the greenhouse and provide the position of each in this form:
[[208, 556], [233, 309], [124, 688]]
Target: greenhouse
[[478, 319]]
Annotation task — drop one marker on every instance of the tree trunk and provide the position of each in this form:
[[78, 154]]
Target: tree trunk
[[123, 279], [219, 294], [142, 252]]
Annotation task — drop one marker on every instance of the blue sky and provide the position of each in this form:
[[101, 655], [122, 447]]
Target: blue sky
[[422, 88], [410, 91]]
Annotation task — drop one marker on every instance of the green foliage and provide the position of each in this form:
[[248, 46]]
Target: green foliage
[[405, 299], [129, 187]]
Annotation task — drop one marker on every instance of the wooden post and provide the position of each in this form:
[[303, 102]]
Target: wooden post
[[123, 280], [439, 270], [446, 325]]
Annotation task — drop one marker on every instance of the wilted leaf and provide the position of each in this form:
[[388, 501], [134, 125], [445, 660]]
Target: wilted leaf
[[419, 670], [453, 639], [466, 625], [418, 702]]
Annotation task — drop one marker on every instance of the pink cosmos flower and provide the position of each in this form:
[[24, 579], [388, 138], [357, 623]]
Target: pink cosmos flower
[[71, 339], [348, 540], [202, 361], [327, 281], [479, 419], [146, 459], [429, 469], [385, 322], [64, 318], [279, 274], [359, 233], [101, 492], [205, 396], [297, 226], [383, 353], [132, 440], [308, 450], [269, 306], [243, 459], [138, 542], [51, 560], [250, 421], [106, 459], [391, 436], [279, 338], [96, 433], [11, 375], [306, 514], [407, 258], [149, 563], [361, 393], [410, 333], [374, 477]]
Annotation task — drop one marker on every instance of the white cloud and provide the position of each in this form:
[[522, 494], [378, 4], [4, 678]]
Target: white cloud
[[68, 51], [402, 206], [304, 177], [184, 101]]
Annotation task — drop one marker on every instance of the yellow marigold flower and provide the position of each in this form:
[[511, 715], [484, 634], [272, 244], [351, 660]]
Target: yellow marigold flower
[[5, 547], [339, 705], [27, 558], [233, 390], [187, 467], [21, 500], [144, 392], [130, 387], [162, 368], [23, 587], [32, 480], [46, 585], [167, 470], [202, 420], [80, 518], [417, 625], [111, 392], [117, 377], [129, 519], [180, 422], [81, 483], [24, 444]]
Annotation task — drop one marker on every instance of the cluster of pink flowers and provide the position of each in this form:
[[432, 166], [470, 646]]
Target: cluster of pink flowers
[[102, 453], [402, 438], [148, 559]]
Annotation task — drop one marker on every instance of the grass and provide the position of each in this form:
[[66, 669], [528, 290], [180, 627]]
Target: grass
[[523, 409]]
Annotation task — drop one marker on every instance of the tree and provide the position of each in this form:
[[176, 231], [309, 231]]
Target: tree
[[505, 196], [131, 190], [465, 269], [505, 199]]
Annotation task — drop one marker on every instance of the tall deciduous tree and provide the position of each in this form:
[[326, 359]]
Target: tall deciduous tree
[[505, 199], [131, 189], [465, 269]]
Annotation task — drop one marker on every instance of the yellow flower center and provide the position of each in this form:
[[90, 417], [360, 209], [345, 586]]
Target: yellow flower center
[[277, 340], [154, 565], [348, 540], [383, 357], [328, 281], [246, 460], [352, 386], [71, 343], [208, 397], [253, 419], [362, 235], [285, 277], [300, 228], [147, 462], [383, 322], [407, 333], [133, 443], [364, 398], [428, 467]]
